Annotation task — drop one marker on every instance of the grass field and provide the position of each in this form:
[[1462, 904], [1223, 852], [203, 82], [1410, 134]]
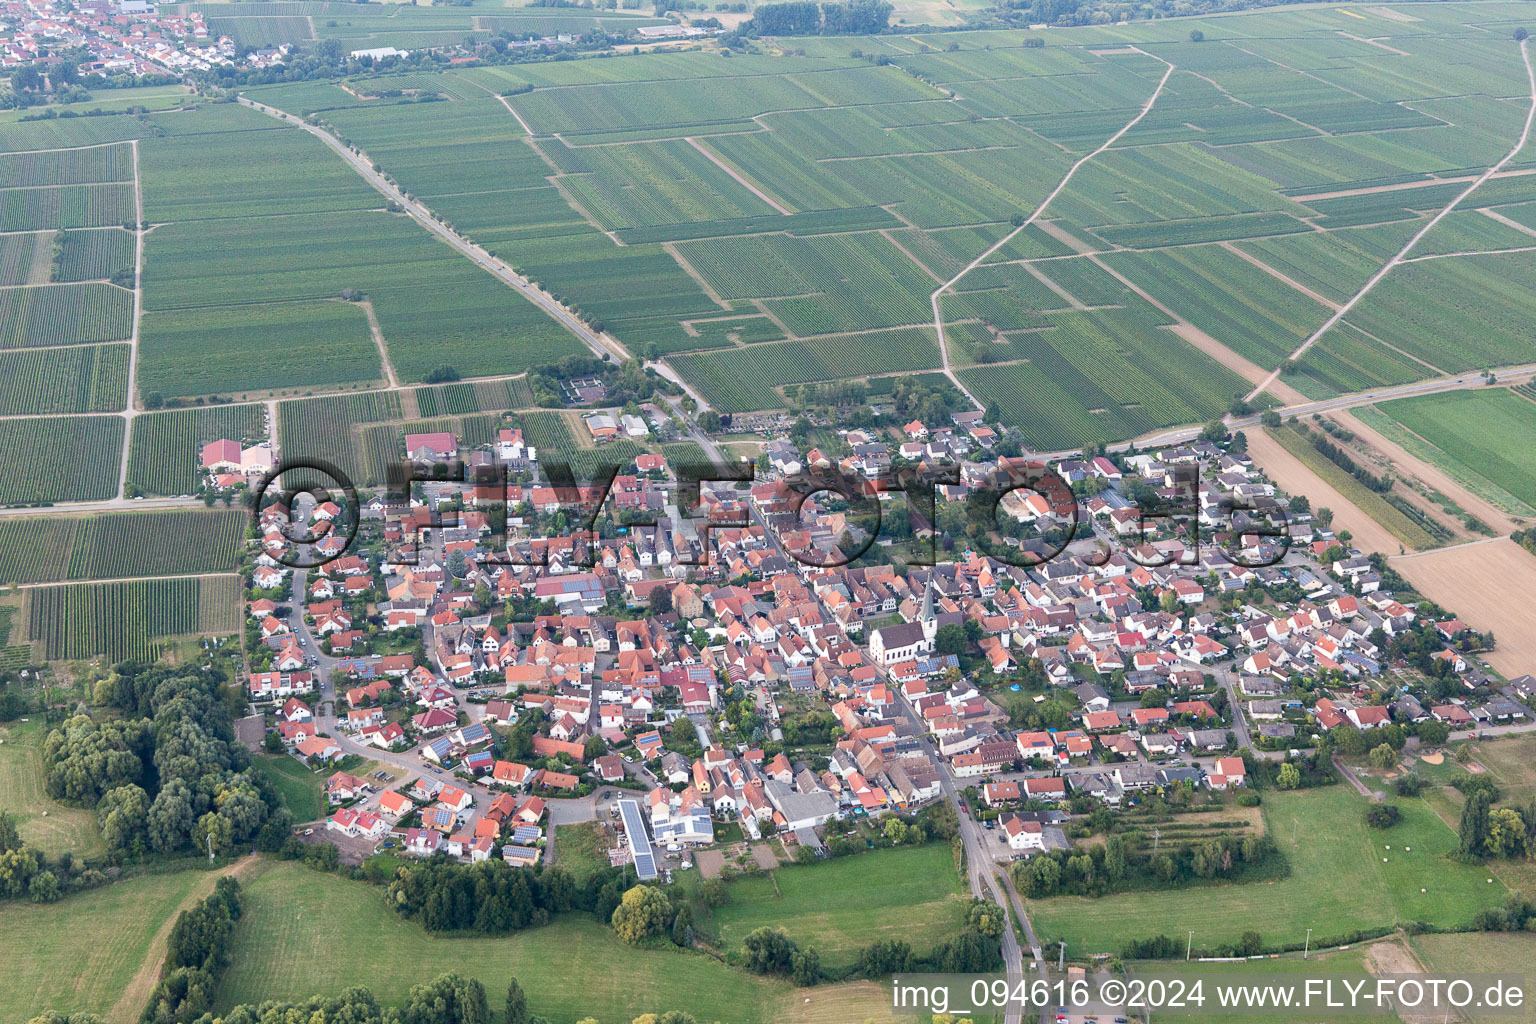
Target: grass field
[[1476, 435], [1339, 883], [1383, 957], [913, 894], [80, 954], [580, 849], [46, 824], [1480, 952], [295, 921], [302, 790]]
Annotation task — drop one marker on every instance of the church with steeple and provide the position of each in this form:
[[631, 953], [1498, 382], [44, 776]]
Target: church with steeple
[[908, 640]]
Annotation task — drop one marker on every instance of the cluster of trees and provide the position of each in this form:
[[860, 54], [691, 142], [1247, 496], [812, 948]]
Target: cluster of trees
[[971, 951], [1418, 646], [627, 382], [492, 897], [196, 954], [1517, 914], [1489, 831], [1118, 865], [807, 18], [26, 871], [1166, 947], [1525, 538], [169, 773]]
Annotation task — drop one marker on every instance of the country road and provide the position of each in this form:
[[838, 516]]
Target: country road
[[933, 300], [601, 344], [1402, 254]]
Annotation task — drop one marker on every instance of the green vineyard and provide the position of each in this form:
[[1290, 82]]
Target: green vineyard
[[95, 255], [166, 447], [64, 315], [121, 544], [88, 378], [124, 620], [323, 428], [73, 458]]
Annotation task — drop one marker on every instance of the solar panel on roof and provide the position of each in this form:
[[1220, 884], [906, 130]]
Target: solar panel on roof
[[639, 841]]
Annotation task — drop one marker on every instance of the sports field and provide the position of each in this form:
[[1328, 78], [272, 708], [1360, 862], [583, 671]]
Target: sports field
[[1342, 879], [297, 921]]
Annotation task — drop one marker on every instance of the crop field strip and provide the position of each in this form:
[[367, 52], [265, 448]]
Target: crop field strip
[[59, 458], [323, 428], [1475, 435], [80, 378], [120, 545], [313, 230], [1234, 157], [121, 620]]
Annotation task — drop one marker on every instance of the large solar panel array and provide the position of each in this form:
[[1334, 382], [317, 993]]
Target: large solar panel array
[[639, 840]]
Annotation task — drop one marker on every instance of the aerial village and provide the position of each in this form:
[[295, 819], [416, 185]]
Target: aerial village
[[703, 680]]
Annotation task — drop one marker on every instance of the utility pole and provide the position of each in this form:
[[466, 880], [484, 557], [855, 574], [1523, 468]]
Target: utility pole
[[210, 847], [1189, 946], [1306, 946]]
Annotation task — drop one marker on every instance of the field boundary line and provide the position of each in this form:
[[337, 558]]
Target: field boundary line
[[933, 299], [601, 343], [43, 584], [129, 411], [1508, 222], [1401, 257], [1278, 275], [736, 175], [378, 339]]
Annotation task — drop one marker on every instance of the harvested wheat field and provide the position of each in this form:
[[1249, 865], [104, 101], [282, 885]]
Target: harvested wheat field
[[1291, 475], [1488, 584]]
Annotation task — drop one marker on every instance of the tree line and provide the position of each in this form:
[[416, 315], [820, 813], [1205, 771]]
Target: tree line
[[447, 999], [196, 955], [1117, 867], [807, 18], [494, 898]]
